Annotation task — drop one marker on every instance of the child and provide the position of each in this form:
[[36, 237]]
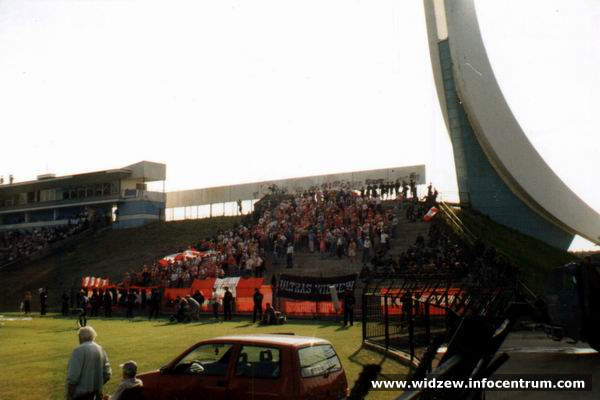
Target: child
[[129, 380]]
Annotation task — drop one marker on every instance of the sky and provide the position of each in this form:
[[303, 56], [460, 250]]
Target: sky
[[227, 91]]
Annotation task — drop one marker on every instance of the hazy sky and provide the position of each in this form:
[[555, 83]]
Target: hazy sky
[[228, 91]]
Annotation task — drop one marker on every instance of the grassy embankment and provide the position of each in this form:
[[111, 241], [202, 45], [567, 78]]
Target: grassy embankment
[[108, 255]]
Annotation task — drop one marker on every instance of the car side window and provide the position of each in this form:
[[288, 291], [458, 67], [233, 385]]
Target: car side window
[[318, 360], [258, 362], [213, 359]]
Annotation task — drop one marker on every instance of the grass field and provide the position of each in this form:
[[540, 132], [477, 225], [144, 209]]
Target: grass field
[[34, 353]]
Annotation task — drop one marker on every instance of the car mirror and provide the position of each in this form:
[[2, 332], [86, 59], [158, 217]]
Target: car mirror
[[196, 368], [164, 370]]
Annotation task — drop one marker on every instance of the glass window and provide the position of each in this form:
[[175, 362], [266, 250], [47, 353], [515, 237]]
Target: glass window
[[318, 360], [258, 362], [213, 358]]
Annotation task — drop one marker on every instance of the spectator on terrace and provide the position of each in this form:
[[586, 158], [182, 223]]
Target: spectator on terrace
[[290, 255], [352, 251], [366, 250]]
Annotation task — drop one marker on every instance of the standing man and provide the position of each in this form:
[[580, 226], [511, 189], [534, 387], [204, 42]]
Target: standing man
[[95, 302], [227, 304], [43, 301], [258, 298], [154, 303], [130, 304], [83, 310], [349, 302], [88, 369], [107, 301], [214, 301], [65, 304]]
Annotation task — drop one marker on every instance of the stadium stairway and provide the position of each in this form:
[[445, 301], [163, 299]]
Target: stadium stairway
[[311, 264]]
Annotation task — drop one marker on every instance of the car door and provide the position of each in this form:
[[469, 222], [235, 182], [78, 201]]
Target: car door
[[321, 374], [203, 373], [261, 373]]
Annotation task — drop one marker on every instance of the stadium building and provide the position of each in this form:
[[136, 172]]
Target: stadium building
[[120, 195]]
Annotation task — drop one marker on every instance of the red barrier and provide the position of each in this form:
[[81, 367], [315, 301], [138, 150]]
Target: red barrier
[[172, 293], [205, 286], [246, 286], [307, 308]]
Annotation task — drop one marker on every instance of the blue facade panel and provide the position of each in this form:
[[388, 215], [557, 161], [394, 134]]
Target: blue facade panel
[[478, 182], [132, 214]]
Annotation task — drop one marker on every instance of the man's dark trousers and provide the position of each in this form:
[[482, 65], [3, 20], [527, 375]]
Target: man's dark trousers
[[348, 314], [257, 310]]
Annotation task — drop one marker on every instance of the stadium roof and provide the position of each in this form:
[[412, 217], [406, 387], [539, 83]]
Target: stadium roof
[[145, 171]]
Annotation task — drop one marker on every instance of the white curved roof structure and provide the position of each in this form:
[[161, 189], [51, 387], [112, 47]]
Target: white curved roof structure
[[498, 132]]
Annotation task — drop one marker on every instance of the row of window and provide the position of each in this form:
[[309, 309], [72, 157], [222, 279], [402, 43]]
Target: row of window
[[72, 193], [257, 361]]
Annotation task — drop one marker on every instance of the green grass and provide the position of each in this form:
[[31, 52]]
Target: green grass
[[108, 255], [34, 354], [534, 258]]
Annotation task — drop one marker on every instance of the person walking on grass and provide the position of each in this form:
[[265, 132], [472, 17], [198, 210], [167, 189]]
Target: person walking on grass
[[88, 368]]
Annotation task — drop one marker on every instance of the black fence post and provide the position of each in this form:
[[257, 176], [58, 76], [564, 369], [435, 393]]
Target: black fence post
[[411, 330], [427, 325], [386, 322], [364, 316]]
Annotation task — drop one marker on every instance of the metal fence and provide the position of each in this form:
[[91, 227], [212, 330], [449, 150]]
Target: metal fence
[[408, 313]]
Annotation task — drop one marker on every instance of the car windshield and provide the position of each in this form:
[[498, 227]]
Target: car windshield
[[318, 360], [214, 359]]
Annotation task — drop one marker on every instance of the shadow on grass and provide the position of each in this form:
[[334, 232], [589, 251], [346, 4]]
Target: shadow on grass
[[245, 325]]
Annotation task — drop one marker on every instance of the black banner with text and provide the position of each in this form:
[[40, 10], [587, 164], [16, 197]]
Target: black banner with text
[[313, 288]]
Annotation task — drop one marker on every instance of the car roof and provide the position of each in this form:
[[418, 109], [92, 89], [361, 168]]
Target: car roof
[[279, 339]]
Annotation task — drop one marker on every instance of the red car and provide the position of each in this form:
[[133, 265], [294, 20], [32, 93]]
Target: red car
[[258, 367]]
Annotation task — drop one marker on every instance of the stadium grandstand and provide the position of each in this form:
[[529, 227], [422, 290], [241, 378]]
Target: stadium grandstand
[[119, 195]]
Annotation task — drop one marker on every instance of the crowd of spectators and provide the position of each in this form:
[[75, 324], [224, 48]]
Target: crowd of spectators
[[445, 252], [17, 244], [334, 220]]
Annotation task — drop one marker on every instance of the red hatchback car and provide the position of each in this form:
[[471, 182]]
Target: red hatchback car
[[258, 367]]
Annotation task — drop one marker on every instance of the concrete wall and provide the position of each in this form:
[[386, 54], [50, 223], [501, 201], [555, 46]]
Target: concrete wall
[[498, 170], [499, 134], [251, 191]]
